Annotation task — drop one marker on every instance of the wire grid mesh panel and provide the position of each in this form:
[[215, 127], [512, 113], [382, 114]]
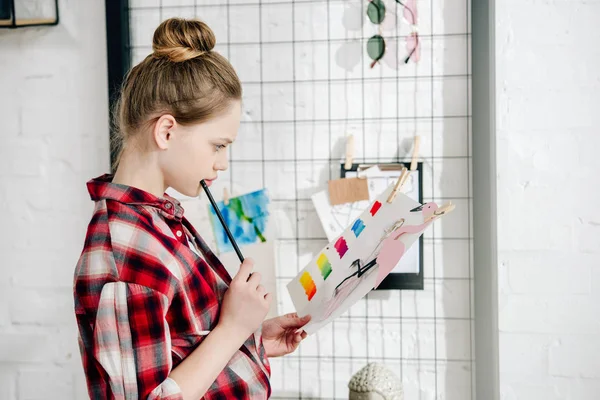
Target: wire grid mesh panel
[[307, 84]]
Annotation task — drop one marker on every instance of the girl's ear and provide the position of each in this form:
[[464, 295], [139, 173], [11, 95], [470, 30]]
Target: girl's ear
[[163, 130]]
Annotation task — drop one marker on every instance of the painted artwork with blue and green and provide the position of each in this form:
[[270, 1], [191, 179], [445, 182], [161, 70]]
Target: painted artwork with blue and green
[[246, 216]]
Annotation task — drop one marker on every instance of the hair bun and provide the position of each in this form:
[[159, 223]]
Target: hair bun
[[181, 39]]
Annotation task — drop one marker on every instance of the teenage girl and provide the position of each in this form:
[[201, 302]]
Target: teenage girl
[[158, 315]]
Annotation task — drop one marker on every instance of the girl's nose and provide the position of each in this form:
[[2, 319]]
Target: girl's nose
[[221, 165]]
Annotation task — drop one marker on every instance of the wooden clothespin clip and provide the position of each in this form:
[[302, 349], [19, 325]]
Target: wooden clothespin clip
[[445, 209], [399, 183], [225, 196], [349, 152], [415, 154]]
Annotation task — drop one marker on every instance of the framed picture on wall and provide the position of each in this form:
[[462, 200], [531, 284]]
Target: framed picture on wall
[[387, 174], [16, 14]]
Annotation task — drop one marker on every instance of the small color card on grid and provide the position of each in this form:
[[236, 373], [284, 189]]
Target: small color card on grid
[[324, 266], [308, 284]]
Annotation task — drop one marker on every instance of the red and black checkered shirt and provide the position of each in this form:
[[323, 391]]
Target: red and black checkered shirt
[[147, 291]]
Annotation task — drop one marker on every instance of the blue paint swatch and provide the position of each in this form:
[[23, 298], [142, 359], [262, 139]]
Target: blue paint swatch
[[358, 227]]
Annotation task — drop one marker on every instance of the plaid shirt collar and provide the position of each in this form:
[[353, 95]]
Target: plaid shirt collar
[[102, 188]]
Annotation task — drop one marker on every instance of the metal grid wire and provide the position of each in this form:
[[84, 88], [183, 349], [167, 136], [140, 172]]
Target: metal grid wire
[[424, 336]]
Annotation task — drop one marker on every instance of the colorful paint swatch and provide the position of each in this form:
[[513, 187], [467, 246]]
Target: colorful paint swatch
[[358, 227], [375, 208], [246, 216], [324, 266], [308, 284], [341, 246]]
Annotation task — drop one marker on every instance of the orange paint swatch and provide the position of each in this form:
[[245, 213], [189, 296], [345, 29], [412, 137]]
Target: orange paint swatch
[[308, 284]]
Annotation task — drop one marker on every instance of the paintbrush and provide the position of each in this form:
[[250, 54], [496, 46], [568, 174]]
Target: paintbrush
[[229, 235]]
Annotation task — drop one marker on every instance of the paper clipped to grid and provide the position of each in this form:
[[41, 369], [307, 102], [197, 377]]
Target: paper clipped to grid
[[356, 261]]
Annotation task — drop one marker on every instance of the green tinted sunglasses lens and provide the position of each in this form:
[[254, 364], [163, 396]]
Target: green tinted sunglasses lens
[[376, 11], [376, 47]]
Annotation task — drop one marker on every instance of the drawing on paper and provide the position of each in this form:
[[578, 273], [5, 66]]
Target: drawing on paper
[[388, 253], [393, 249], [246, 216], [359, 263], [359, 270], [335, 219], [198, 212]]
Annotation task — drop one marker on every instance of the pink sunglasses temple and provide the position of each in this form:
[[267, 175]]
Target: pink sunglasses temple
[[413, 49]]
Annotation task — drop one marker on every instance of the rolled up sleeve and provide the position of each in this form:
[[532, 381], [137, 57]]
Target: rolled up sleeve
[[133, 343]]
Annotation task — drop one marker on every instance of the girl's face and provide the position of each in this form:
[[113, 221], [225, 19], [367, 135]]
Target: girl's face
[[197, 152]]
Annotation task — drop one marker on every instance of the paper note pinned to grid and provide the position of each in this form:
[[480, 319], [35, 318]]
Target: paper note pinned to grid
[[342, 191]]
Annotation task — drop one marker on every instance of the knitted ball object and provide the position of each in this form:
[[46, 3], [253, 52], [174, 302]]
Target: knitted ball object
[[375, 382]]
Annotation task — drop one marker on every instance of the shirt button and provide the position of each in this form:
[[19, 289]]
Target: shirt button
[[168, 206], [178, 233]]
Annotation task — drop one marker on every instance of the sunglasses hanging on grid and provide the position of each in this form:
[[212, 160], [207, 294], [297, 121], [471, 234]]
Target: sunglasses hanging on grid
[[376, 44]]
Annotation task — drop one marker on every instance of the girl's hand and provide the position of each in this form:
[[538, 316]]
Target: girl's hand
[[245, 303], [282, 335]]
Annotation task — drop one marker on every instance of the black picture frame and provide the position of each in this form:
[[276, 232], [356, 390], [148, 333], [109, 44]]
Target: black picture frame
[[9, 18], [398, 281]]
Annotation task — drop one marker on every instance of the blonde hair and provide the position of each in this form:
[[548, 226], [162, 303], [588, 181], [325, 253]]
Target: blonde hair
[[183, 76]]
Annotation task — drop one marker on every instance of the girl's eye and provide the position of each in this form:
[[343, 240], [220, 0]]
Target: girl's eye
[[219, 147]]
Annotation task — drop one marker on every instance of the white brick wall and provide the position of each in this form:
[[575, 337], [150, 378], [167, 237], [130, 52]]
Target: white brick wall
[[548, 89], [54, 121], [54, 113], [56, 137]]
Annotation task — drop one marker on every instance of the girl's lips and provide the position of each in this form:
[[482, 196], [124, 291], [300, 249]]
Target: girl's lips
[[209, 181]]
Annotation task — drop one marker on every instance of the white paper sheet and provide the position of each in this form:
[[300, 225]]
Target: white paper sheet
[[313, 290]]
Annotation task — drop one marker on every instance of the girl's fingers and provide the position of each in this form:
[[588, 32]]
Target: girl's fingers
[[255, 279]]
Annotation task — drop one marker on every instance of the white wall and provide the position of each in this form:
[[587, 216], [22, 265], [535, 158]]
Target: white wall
[[54, 123], [548, 116], [54, 117]]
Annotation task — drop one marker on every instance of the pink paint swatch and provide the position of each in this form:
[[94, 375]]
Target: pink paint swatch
[[341, 247]]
